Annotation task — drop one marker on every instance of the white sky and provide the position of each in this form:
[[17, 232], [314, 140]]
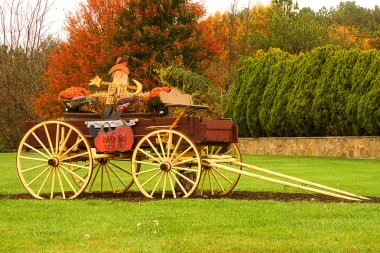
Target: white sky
[[61, 7]]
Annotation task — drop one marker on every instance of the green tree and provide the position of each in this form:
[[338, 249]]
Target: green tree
[[161, 33]]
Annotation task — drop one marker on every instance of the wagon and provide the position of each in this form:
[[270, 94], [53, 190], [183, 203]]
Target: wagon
[[171, 157]]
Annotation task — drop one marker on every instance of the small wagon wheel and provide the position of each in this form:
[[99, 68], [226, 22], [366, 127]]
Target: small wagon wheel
[[215, 181], [110, 174], [169, 163], [50, 156]]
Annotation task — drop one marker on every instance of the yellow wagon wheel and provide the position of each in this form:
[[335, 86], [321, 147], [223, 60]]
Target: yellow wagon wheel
[[170, 165], [215, 181], [110, 174], [50, 156]]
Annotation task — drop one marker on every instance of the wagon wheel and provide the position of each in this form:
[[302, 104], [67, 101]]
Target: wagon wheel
[[215, 181], [110, 174], [169, 162], [50, 156]]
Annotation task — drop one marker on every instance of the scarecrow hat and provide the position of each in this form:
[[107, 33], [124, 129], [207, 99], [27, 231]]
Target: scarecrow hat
[[121, 64]]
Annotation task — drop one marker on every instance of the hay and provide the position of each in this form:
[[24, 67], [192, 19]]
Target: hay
[[97, 102]]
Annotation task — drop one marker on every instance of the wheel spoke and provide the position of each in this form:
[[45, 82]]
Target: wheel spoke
[[65, 141], [155, 187], [146, 171], [162, 147], [229, 151], [101, 177], [60, 184], [149, 155], [52, 184], [36, 150], [223, 176], [184, 168], [169, 144], [33, 158], [154, 149], [79, 140], [117, 176], [178, 182], [38, 176], [43, 183], [217, 181], [184, 152], [85, 166], [41, 143], [175, 148], [186, 178], [120, 168], [49, 140], [35, 167], [203, 180], [218, 150], [56, 140], [150, 179], [164, 188], [185, 161], [95, 176], [75, 165], [74, 174], [209, 179], [109, 179], [147, 163], [172, 185], [68, 181], [74, 156]]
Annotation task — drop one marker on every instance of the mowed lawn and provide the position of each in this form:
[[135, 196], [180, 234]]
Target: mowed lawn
[[201, 225]]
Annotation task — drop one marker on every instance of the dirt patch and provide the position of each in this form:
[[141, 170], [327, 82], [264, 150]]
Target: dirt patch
[[238, 195]]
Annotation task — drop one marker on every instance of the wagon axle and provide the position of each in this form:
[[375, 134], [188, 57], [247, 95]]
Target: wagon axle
[[53, 162]]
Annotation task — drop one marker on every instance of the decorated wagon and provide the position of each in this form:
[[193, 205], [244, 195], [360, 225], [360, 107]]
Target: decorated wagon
[[165, 156]]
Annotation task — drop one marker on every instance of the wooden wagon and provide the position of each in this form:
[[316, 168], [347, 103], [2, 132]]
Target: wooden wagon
[[170, 157]]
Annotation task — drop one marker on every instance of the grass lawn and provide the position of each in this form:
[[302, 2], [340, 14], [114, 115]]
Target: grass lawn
[[201, 225]]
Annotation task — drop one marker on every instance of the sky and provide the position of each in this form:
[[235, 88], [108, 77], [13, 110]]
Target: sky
[[61, 7]]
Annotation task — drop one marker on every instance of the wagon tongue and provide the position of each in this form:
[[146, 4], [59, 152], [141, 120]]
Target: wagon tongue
[[303, 184]]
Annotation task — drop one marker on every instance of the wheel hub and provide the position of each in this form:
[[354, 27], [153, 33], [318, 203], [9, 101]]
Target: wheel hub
[[53, 162], [166, 166]]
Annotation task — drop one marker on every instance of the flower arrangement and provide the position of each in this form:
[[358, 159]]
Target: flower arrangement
[[73, 98], [154, 102], [153, 97]]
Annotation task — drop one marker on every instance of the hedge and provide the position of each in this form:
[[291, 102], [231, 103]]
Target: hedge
[[328, 91]]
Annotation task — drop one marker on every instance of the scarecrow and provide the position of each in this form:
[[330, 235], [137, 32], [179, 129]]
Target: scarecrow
[[118, 88]]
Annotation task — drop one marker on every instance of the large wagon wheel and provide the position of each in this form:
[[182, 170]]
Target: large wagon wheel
[[169, 162], [51, 157], [110, 174], [215, 181]]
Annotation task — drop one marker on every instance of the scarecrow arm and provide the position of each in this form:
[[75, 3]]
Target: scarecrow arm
[[98, 81]]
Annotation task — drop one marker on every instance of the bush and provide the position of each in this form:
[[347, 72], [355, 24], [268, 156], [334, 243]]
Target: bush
[[328, 91]]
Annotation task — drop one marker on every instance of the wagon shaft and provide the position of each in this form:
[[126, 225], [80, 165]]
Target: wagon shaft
[[214, 161]]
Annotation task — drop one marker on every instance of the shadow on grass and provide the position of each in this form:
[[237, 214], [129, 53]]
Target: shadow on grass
[[238, 195]]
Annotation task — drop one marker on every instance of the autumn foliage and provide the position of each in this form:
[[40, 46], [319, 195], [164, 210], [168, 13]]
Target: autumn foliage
[[89, 50], [153, 34]]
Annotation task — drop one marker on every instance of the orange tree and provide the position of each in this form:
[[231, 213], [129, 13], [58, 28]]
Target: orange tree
[[89, 50]]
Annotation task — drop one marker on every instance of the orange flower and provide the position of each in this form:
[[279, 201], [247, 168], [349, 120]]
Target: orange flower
[[66, 95], [156, 91]]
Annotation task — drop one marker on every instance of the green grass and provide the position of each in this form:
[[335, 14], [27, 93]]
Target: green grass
[[201, 225]]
